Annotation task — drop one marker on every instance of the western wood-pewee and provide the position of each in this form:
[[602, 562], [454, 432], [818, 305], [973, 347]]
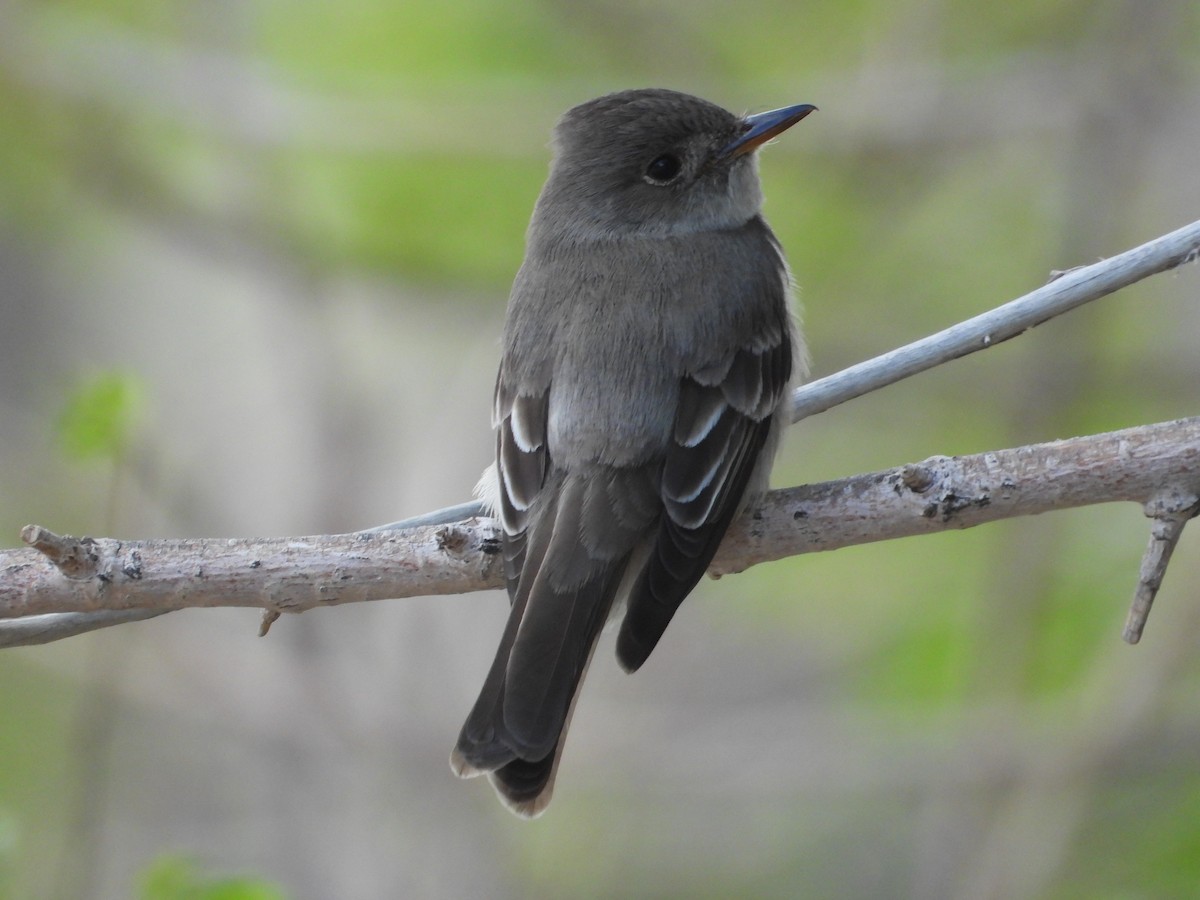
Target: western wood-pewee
[[649, 352]]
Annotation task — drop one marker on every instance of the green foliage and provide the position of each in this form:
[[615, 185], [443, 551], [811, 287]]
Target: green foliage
[[99, 416], [426, 215], [179, 878], [344, 44], [35, 746], [1142, 839], [9, 845]]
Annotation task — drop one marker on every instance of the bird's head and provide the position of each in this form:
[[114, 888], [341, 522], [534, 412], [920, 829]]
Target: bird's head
[[656, 162]]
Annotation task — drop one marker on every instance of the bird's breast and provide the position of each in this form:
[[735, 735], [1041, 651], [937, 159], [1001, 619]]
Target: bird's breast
[[616, 377], [620, 324]]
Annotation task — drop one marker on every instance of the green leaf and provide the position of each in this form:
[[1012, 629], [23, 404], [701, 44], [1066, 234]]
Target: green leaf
[[99, 416], [178, 878]]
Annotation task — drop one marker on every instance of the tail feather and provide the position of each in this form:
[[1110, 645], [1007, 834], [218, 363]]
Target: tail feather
[[527, 787], [517, 727], [481, 744], [557, 634]]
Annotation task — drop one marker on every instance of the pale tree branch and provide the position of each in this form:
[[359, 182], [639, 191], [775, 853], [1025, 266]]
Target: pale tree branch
[[64, 586], [1138, 464], [1066, 291]]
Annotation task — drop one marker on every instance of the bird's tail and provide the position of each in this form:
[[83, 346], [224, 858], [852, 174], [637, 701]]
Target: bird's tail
[[516, 729]]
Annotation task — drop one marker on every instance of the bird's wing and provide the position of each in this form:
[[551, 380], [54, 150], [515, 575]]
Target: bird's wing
[[522, 461], [721, 428]]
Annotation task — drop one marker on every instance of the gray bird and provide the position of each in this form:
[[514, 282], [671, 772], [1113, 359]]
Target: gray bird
[[649, 352]]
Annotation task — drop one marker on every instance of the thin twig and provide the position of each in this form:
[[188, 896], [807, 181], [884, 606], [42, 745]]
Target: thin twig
[[1066, 292], [45, 629], [1170, 512]]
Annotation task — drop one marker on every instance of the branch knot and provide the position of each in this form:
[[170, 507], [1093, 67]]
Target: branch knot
[[76, 558]]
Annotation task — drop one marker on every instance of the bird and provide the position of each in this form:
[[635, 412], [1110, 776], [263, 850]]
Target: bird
[[649, 352]]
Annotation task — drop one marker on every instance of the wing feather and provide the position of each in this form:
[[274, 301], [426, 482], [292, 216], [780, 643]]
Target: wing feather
[[721, 431]]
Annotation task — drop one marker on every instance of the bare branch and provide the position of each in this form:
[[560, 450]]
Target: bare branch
[[941, 493], [1065, 292], [296, 574], [280, 574]]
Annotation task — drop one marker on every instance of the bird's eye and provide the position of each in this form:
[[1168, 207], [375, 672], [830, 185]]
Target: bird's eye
[[663, 169]]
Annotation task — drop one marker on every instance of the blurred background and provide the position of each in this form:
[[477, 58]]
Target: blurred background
[[254, 255]]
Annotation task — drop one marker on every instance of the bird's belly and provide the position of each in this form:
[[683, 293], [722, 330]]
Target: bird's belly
[[626, 420]]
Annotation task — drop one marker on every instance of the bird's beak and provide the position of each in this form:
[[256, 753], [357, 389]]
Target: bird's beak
[[761, 127]]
